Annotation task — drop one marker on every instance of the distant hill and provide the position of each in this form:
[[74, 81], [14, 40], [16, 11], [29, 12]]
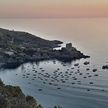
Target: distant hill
[[24, 39]]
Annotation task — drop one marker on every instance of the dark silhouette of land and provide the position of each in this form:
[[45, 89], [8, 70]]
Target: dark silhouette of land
[[19, 47]]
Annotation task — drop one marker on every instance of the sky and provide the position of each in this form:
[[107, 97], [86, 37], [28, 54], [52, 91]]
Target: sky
[[53, 8]]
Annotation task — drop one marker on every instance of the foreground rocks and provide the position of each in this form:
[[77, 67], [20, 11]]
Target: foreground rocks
[[12, 97]]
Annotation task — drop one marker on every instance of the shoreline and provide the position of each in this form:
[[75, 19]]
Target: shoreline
[[12, 65], [15, 64]]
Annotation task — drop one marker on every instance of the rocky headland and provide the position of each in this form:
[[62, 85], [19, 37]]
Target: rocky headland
[[18, 47]]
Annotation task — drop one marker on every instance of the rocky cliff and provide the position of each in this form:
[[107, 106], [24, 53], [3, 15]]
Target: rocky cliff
[[12, 97]]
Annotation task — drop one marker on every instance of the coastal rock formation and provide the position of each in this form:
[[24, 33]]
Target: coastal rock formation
[[12, 97], [20, 47], [105, 67]]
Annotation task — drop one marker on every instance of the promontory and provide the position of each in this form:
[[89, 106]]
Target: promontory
[[17, 47]]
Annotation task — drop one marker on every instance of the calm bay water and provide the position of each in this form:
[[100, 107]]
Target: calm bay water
[[56, 83]]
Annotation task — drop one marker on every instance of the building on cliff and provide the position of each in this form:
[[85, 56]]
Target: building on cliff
[[69, 46]]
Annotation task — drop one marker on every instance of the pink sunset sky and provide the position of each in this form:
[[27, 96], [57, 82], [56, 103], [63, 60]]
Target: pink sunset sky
[[53, 8]]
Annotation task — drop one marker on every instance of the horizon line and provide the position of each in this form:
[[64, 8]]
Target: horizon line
[[53, 17]]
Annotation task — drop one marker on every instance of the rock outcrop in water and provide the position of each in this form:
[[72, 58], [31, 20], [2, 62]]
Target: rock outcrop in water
[[20, 47], [105, 67], [12, 97]]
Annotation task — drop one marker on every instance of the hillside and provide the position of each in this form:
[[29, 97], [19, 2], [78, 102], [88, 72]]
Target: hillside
[[19, 47], [24, 39], [13, 97]]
